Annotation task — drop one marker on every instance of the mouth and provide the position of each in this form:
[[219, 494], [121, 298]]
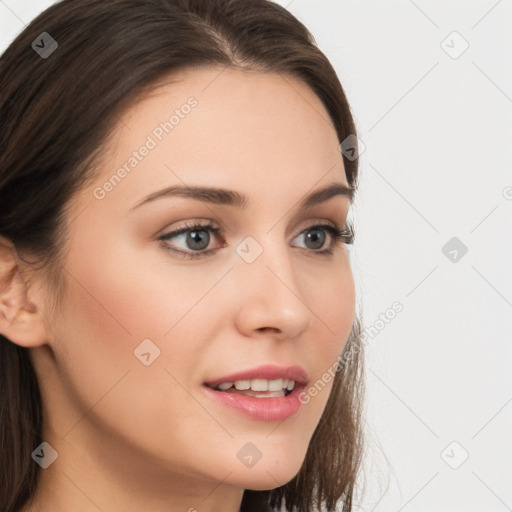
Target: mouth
[[267, 399], [264, 379], [260, 388]]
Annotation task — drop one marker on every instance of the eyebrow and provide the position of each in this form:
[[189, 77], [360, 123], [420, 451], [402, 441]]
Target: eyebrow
[[221, 196]]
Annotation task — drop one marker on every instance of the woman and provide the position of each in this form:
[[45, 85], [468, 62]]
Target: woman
[[177, 321]]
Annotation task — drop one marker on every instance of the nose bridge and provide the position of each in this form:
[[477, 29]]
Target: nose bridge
[[270, 295], [265, 260]]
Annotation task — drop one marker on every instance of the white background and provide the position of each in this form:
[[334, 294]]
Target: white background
[[437, 127]]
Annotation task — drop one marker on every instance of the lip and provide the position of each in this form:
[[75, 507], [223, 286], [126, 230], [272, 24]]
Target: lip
[[268, 372], [262, 409]]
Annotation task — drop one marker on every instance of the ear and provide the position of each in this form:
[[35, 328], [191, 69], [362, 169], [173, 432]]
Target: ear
[[21, 319]]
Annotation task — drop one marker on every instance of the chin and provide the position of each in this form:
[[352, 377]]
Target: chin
[[265, 477]]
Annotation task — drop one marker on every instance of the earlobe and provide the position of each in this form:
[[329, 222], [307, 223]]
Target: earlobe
[[20, 319]]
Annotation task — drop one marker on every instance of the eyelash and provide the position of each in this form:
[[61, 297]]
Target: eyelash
[[338, 236]]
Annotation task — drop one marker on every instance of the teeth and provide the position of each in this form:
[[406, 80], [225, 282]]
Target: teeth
[[225, 385], [275, 385], [259, 385], [242, 384]]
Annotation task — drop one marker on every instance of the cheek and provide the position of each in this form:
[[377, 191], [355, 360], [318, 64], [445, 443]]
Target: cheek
[[109, 310], [120, 292], [333, 306], [118, 297], [331, 298]]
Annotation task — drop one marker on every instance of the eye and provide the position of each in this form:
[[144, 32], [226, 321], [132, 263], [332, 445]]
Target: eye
[[195, 239], [316, 236]]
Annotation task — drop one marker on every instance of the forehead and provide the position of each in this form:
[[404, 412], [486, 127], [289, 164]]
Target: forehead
[[228, 128]]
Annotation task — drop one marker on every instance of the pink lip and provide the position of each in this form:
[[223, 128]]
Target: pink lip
[[263, 409], [267, 371]]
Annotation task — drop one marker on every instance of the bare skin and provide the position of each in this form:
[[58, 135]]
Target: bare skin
[[132, 437]]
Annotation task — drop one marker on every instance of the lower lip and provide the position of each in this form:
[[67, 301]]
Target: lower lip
[[263, 409]]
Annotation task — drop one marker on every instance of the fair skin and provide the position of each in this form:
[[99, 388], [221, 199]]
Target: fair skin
[[132, 437]]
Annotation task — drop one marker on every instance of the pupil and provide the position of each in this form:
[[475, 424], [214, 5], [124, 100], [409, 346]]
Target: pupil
[[198, 239]]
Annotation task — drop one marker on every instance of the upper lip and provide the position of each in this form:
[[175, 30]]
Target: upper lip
[[268, 372]]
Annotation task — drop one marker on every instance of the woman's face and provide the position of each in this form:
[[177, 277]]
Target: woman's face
[[144, 326]]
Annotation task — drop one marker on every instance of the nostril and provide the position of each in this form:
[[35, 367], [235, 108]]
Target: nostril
[[269, 329]]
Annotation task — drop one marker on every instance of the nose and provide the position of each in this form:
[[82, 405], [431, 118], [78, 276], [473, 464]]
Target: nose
[[269, 295]]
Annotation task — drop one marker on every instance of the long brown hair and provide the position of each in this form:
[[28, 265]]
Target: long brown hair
[[58, 108]]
